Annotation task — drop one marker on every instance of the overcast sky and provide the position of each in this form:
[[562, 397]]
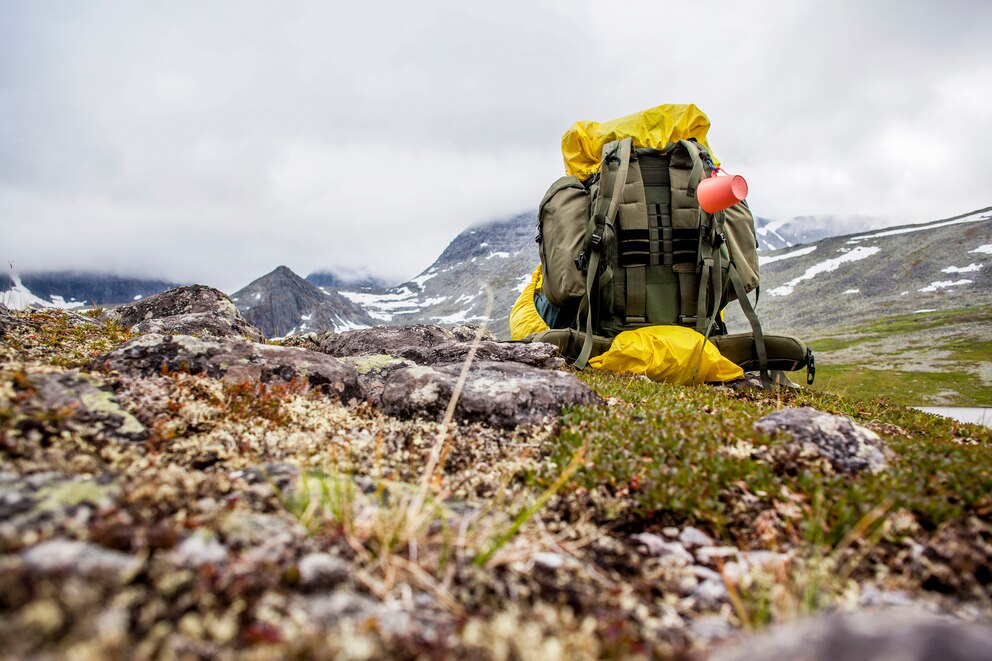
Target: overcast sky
[[212, 141]]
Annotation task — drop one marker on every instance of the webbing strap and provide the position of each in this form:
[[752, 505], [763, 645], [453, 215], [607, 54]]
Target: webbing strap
[[615, 193], [759, 338], [637, 290], [704, 284], [687, 285], [697, 167]]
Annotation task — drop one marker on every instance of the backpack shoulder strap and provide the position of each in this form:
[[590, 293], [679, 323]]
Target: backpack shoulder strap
[[616, 162]]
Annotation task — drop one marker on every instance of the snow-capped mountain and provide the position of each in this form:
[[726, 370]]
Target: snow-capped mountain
[[282, 303], [497, 256], [777, 234], [850, 279], [76, 289]]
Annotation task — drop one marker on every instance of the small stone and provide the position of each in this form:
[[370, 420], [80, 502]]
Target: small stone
[[658, 546], [849, 447], [691, 537], [707, 553], [670, 531], [322, 570], [549, 560], [710, 592], [199, 549], [74, 557]]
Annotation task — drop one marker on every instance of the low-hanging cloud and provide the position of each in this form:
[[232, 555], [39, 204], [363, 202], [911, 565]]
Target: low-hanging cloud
[[214, 141]]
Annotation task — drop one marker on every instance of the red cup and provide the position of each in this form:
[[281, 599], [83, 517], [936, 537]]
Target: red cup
[[719, 193]]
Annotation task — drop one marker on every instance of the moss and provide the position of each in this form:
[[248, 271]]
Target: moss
[[72, 493]]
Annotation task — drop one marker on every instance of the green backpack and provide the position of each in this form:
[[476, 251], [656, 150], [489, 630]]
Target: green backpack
[[630, 247]]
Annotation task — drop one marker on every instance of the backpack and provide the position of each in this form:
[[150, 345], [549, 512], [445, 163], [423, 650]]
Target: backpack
[[630, 247]]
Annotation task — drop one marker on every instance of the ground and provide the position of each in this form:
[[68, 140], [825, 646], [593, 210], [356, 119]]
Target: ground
[[255, 520]]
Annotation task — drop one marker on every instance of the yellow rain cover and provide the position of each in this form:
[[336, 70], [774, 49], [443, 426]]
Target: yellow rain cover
[[582, 145], [666, 353], [524, 317]]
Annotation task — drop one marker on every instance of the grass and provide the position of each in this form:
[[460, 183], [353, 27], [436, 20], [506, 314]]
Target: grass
[[916, 359], [670, 454]]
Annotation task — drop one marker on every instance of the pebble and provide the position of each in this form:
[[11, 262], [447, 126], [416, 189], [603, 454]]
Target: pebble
[[694, 537]]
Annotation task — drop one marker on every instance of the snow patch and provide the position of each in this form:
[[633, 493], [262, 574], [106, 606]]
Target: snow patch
[[971, 268], [943, 284], [522, 283], [137, 297], [500, 254], [421, 279], [762, 260], [852, 291], [924, 310], [827, 266], [983, 250], [19, 297]]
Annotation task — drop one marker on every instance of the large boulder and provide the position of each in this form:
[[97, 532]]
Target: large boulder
[[497, 394], [849, 447], [234, 361], [190, 310], [427, 344], [52, 403], [908, 634]]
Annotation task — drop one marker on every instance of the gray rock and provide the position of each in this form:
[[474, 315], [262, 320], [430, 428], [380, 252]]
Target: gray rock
[[849, 447], [659, 546], [234, 361], [691, 537], [426, 344], [78, 403], [905, 634], [8, 321], [322, 570], [79, 558], [200, 548], [195, 309], [497, 394], [710, 593]]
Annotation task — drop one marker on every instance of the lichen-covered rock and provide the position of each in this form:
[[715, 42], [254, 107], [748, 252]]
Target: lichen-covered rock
[[234, 361], [66, 556], [7, 320], [497, 394], [849, 447], [49, 501], [893, 634], [49, 403], [426, 344], [194, 309]]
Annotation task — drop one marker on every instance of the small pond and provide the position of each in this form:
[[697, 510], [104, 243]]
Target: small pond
[[978, 415]]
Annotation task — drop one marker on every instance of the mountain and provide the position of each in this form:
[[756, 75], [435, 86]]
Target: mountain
[[73, 289], [343, 279], [851, 279], [500, 254], [777, 234], [282, 303]]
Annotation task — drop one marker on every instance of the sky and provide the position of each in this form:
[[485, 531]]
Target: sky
[[207, 141]]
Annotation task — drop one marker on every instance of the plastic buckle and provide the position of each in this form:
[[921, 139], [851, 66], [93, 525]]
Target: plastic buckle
[[810, 367], [582, 261]]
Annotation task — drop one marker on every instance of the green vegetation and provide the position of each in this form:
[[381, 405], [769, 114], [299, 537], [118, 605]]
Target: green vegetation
[[670, 454], [915, 359]]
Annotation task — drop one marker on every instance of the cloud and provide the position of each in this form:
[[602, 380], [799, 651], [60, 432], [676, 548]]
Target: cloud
[[214, 141]]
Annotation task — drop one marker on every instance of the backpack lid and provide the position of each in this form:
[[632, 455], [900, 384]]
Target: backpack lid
[[655, 128]]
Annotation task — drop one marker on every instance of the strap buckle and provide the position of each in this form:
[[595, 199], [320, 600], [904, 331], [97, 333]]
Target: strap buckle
[[582, 261]]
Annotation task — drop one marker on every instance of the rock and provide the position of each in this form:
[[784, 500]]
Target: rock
[[322, 570], [426, 344], [200, 548], [234, 361], [710, 628], [8, 321], [549, 560], [905, 634], [66, 556], [849, 447], [691, 537], [659, 546], [710, 593], [195, 309], [497, 394], [72, 401]]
